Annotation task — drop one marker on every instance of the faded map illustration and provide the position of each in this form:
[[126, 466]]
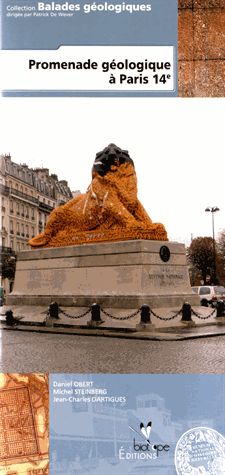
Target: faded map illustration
[[24, 424]]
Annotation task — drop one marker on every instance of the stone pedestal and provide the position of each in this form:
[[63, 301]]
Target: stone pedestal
[[124, 274]]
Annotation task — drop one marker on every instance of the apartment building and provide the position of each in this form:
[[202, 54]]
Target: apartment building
[[27, 197]]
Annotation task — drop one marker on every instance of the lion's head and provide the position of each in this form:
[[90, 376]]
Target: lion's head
[[110, 156]]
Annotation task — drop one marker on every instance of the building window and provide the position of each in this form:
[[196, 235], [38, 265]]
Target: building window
[[166, 420], [11, 227], [140, 404], [27, 231], [11, 206], [27, 212], [12, 244], [17, 209], [32, 231], [18, 246]]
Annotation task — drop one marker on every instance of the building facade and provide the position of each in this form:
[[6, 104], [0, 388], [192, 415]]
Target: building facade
[[27, 197]]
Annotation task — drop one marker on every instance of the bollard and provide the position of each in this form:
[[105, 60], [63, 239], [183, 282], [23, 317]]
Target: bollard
[[95, 315], [145, 314], [186, 313], [220, 308], [10, 320], [53, 310], [145, 323]]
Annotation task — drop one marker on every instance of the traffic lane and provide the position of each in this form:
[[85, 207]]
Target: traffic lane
[[30, 352]]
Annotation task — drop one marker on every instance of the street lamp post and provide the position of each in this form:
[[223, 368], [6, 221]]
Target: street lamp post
[[213, 210]]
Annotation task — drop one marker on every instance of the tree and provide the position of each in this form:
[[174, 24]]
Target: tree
[[201, 257], [7, 264], [221, 253], [221, 245]]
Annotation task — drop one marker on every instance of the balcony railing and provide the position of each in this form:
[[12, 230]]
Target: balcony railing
[[45, 207], [23, 196]]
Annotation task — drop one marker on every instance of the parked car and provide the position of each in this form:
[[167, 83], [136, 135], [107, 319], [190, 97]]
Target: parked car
[[210, 294]]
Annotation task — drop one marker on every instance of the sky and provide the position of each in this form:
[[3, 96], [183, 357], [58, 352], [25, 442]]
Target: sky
[[177, 146]]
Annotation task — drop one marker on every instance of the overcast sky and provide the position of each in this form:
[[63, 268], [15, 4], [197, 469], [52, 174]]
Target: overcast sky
[[177, 146]]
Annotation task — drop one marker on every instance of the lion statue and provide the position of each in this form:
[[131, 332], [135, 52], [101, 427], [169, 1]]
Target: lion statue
[[108, 211]]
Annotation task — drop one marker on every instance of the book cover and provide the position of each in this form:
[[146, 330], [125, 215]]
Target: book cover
[[105, 177]]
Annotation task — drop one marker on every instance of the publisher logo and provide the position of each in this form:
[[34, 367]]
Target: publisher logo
[[143, 448]]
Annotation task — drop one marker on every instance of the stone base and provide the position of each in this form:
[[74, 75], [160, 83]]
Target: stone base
[[124, 274], [145, 327]]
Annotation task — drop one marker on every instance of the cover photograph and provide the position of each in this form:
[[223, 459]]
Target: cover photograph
[[107, 232]]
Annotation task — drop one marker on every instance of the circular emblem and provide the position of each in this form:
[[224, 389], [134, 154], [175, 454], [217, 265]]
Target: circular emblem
[[200, 451], [164, 253]]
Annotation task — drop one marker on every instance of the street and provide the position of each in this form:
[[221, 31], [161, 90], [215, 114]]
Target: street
[[30, 352]]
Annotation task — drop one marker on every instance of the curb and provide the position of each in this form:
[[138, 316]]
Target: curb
[[157, 335]]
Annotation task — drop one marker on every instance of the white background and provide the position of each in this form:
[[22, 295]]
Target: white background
[[16, 75]]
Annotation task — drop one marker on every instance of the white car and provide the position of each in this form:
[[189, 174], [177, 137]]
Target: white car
[[209, 293]]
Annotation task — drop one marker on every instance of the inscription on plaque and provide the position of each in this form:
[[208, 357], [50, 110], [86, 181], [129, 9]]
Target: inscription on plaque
[[167, 276]]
